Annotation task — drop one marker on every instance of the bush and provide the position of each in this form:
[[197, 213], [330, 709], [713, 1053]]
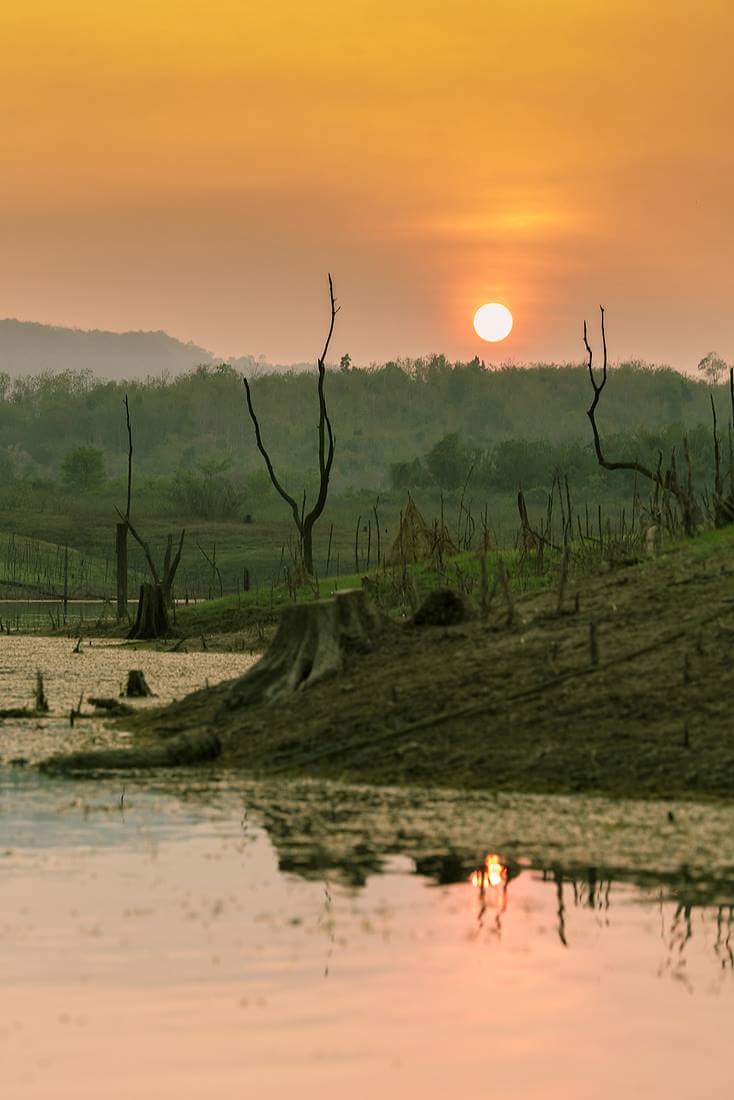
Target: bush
[[83, 469], [409, 475], [207, 493], [449, 462]]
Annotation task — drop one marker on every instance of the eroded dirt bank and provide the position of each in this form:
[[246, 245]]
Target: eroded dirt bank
[[522, 707]]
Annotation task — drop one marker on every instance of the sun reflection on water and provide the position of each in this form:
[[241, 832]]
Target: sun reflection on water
[[490, 881], [493, 873]]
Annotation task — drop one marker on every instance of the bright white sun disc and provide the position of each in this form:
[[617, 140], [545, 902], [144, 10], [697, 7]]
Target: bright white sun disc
[[493, 322]]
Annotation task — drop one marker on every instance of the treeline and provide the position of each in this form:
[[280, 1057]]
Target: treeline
[[534, 464], [409, 422]]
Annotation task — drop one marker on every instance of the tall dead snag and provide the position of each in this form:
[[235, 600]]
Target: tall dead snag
[[122, 527], [304, 521], [666, 480], [723, 503], [156, 596]]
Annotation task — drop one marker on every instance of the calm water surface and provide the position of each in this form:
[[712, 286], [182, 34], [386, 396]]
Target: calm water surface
[[152, 946]]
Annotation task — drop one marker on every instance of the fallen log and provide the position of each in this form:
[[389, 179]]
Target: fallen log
[[188, 748], [110, 708]]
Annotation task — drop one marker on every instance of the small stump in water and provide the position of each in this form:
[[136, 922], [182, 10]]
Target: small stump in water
[[443, 607], [41, 700], [137, 685], [310, 644]]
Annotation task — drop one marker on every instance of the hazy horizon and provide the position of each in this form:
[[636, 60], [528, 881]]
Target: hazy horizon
[[60, 347]]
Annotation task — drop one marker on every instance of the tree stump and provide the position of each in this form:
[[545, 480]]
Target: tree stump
[[137, 685], [310, 645], [151, 620]]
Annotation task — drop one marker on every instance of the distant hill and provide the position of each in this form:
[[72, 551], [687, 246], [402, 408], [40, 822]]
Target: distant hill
[[27, 347]]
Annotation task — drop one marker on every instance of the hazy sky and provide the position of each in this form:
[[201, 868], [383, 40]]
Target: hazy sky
[[198, 166]]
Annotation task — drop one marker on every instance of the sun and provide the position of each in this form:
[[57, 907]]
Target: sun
[[493, 322]]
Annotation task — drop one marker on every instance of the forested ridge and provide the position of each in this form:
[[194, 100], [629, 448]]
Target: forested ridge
[[423, 421]]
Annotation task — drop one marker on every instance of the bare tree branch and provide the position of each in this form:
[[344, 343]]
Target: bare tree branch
[[305, 521], [326, 455], [176, 559], [213, 564], [261, 448], [668, 480], [129, 459], [598, 388], [334, 310], [143, 543]]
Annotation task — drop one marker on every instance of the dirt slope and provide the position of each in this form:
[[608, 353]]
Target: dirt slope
[[522, 707]]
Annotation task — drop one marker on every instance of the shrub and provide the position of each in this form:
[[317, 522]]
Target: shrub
[[83, 469]]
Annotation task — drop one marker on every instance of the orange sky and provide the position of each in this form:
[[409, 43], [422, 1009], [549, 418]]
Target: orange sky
[[199, 166]]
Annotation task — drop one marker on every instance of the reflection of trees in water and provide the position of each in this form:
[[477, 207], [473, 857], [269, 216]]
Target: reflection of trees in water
[[326, 921], [678, 931], [316, 840], [590, 891], [723, 945]]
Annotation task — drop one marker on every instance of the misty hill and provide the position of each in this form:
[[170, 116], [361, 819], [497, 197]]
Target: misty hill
[[27, 347]]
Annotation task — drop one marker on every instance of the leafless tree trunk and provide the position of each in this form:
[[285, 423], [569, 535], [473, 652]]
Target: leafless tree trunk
[[122, 528], [305, 521], [666, 480], [723, 503], [154, 603], [213, 563]]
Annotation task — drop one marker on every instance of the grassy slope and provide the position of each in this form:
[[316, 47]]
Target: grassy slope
[[87, 525], [523, 708], [261, 606], [36, 566]]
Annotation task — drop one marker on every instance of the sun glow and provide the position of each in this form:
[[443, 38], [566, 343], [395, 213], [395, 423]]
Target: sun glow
[[493, 322], [493, 873]]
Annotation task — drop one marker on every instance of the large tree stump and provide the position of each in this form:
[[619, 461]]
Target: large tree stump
[[310, 645], [151, 620]]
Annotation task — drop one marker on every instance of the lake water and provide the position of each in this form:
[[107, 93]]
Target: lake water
[[152, 946], [200, 934]]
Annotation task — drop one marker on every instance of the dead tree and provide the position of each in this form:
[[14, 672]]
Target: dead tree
[[212, 561], [723, 503], [305, 521], [666, 480], [122, 527], [156, 597]]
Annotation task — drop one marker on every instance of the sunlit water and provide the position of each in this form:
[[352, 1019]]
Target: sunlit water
[[193, 935], [151, 947]]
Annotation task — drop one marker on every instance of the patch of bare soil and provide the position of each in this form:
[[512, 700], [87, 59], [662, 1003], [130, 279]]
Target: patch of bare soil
[[629, 694]]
